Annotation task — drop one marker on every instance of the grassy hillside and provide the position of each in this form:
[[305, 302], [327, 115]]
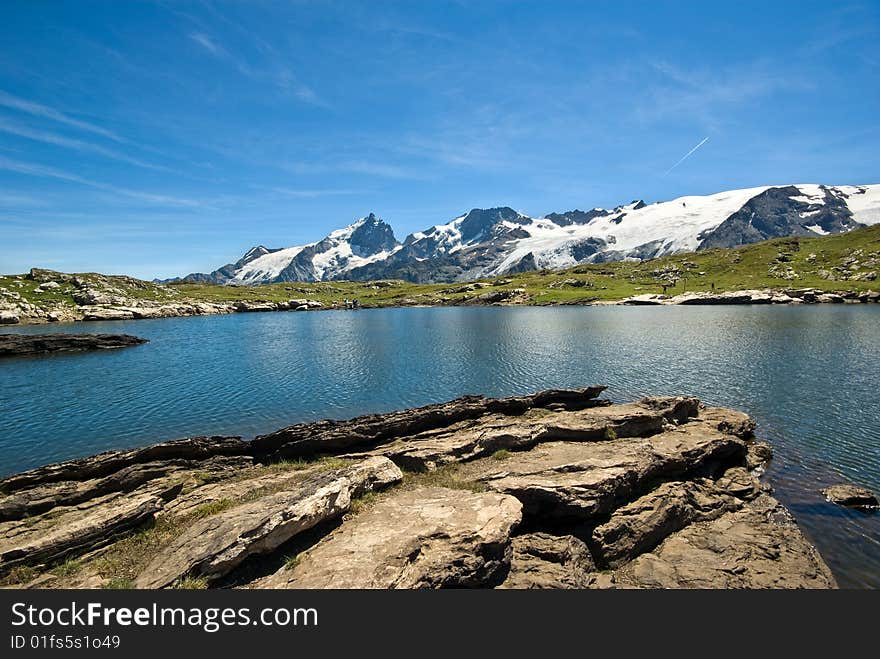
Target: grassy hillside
[[846, 262]]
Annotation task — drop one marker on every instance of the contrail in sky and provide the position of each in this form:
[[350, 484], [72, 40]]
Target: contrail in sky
[[686, 156]]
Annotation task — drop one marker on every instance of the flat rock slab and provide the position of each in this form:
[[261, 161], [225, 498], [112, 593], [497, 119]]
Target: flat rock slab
[[851, 496], [110, 462], [365, 432], [12, 345], [420, 538], [477, 438], [76, 529], [46, 496], [214, 546], [588, 479], [541, 560], [757, 546]]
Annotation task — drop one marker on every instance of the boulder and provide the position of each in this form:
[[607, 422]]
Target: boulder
[[102, 313], [214, 546], [9, 318], [541, 560], [851, 496], [439, 538], [244, 306]]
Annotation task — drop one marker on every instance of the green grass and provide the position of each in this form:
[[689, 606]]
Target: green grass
[[446, 476], [191, 583], [501, 454], [292, 561], [119, 583], [66, 569], [761, 265], [212, 508]]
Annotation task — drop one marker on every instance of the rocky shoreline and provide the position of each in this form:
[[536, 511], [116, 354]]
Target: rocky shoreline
[[559, 489], [14, 345], [101, 308]]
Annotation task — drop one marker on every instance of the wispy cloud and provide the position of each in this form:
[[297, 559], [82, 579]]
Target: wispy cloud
[[42, 171], [311, 194], [14, 128], [208, 44], [365, 167], [36, 109], [281, 77], [706, 96]]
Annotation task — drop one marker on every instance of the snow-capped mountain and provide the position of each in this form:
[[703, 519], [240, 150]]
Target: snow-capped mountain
[[360, 243], [497, 241]]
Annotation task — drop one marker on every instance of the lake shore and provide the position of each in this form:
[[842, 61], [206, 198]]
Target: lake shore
[[558, 489], [139, 308]]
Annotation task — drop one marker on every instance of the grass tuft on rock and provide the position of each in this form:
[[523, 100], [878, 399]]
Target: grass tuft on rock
[[212, 508], [446, 476], [191, 583]]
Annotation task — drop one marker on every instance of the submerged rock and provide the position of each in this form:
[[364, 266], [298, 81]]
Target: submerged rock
[[31, 344], [851, 496]]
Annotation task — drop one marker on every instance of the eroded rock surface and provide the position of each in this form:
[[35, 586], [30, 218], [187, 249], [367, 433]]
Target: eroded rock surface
[[757, 546], [420, 538], [214, 546], [541, 560], [557, 489]]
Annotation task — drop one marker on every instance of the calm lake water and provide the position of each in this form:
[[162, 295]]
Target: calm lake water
[[809, 375]]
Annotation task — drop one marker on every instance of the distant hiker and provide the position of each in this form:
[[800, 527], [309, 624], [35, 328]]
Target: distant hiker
[[713, 285], [356, 304]]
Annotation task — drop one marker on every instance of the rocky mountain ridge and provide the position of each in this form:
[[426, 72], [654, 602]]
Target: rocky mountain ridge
[[498, 241]]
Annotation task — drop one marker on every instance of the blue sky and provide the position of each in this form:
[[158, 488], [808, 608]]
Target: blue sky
[[160, 138]]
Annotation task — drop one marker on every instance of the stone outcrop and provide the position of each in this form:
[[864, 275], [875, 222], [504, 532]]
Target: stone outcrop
[[74, 530], [757, 546], [751, 296], [111, 462], [851, 496], [419, 538], [31, 344], [558, 489], [216, 545], [328, 437]]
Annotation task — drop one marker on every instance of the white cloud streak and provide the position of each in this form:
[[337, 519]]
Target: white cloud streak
[[42, 171], [19, 130], [36, 109], [686, 156]]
